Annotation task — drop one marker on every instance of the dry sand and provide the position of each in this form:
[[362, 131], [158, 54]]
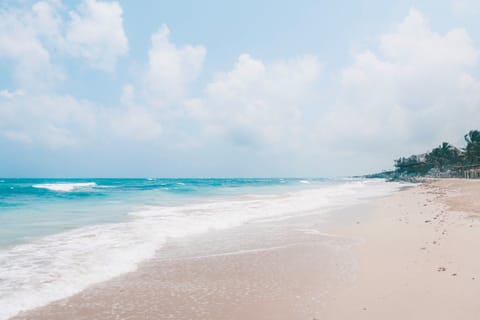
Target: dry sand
[[412, 255], [420, 257]]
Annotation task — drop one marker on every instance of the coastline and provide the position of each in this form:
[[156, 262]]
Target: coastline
[[374, 261]]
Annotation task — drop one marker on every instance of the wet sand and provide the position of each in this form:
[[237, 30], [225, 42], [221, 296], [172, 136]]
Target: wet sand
[[412, 255], [279, 269]]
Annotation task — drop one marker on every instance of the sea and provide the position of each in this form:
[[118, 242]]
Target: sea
[[59, 236]]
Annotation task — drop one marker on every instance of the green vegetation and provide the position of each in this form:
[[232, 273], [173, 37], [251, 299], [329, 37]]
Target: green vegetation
[[472, 151], [444, 160]]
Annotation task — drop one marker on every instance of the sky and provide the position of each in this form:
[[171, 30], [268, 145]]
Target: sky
[[300, 88]]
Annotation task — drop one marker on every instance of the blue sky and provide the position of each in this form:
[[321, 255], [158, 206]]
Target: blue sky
[[253, 88]]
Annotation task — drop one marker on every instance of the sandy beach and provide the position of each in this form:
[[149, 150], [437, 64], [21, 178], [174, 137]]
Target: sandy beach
[[411, 255], [419, 256]]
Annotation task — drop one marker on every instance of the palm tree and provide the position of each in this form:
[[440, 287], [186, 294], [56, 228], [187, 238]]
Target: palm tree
[[473, 146], [473, 136], [443, 156]]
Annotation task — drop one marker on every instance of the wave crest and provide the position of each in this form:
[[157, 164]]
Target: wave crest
[[64, 187]]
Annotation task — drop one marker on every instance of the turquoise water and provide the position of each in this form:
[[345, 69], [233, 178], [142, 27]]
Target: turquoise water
[[58, 236], [32, 208]]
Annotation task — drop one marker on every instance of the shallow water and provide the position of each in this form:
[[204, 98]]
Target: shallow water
[[61, 235]]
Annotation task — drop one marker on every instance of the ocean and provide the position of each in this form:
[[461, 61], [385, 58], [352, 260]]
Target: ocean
[[58, 236]]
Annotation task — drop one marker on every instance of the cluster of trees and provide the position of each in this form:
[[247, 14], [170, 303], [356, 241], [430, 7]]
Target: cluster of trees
[[443, 158]]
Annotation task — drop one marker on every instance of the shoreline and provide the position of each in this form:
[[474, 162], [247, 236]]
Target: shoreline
[[371, 261], [55, 267], [226, 273]]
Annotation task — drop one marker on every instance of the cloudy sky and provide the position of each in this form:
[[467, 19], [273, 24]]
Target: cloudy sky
[[247, 88]]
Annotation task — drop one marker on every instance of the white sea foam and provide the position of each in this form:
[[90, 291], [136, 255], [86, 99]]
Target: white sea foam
[[61, 265], [65, 187]]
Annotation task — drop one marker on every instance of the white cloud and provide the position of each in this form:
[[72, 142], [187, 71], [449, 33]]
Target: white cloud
[[414, 91], [171, 69], [33, 38], [30, 37], [95, 32], [18, 136], [156, 104], [55, 121], [20, 43], [61, 120], [254, 103], [414, 44], [46, 19], [136, 123], [259, 102], [11, 94]]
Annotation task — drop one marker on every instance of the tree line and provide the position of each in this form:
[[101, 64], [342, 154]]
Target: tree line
[[445, 158]]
